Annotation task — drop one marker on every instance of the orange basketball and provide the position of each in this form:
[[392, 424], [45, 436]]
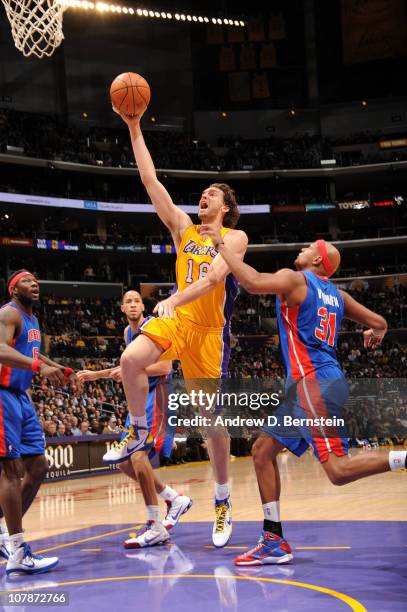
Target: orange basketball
[[130, 93]]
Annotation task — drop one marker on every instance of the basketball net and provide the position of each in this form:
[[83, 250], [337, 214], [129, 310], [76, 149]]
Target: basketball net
[[36, 25]]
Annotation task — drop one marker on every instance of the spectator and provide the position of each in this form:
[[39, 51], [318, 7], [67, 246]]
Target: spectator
[[84, 427]]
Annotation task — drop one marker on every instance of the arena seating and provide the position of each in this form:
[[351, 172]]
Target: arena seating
[[41, 136], [87, 334]]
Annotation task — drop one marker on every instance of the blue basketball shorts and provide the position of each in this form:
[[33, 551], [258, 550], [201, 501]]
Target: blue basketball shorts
[[20, 430], [311, 414]]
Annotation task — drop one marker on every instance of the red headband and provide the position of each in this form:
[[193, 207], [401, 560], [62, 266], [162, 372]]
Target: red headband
[[15, 280], [321, 244]]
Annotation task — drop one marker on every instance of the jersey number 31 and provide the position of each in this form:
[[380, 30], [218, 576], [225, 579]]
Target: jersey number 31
[[327, 326]]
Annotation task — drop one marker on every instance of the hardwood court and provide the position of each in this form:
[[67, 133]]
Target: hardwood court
[[306, 495], [349, 545]]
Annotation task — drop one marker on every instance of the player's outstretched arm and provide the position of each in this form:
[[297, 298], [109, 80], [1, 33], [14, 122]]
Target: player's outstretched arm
[[281, 283], [92, 375], [360, 314], [218, 270], [175, 219]]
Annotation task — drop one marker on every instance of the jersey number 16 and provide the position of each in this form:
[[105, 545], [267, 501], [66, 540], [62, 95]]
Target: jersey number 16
[[202, 270]]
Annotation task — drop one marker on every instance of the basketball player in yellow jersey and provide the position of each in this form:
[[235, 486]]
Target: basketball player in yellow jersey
[[193, 325]]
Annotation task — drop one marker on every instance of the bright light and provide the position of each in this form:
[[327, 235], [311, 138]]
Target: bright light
[[103, 7]]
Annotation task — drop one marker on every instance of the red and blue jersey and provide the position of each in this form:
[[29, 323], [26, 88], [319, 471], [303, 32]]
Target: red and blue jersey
[[309, 332], [28, 343]]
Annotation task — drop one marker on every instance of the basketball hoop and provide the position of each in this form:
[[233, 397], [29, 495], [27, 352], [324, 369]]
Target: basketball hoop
[[36, 25]]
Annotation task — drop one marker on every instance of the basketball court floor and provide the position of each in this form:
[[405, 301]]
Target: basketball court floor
[[350, 544]]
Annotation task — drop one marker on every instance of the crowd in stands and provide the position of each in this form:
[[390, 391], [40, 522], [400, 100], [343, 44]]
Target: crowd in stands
[[43, 136], [93, 326], [124, 232], [87, 334], [100, 407]]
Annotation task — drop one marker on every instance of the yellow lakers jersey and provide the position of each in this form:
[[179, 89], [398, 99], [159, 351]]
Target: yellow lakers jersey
[[195, 255]]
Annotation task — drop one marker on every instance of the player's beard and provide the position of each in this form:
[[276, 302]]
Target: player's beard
[[137, 320], [27, 302]]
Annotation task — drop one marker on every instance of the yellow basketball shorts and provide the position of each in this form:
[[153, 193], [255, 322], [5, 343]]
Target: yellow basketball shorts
[[204, 352]]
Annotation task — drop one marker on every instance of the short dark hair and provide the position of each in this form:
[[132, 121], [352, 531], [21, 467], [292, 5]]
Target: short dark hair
[[232, 216], [128, 291]]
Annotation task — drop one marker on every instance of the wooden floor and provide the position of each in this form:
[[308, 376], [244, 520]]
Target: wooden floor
[[306, 495]]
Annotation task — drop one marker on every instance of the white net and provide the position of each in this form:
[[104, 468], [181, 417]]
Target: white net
[[36, 25]]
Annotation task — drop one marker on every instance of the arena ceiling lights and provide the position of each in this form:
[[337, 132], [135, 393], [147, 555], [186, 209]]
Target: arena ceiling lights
[[104, 7]]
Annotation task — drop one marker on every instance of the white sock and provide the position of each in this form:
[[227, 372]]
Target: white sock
[[15, 541], [138, 421], [3, 526], [397, 460], [153, 514], [222, 491], [4, 539], [271, 511], [168, 494]]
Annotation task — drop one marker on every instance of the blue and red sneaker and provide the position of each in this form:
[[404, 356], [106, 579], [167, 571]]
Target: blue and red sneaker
[[271, 549]]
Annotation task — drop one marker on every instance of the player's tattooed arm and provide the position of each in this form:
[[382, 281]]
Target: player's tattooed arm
[[10, 327], [175, 219], [377, 325], [217, 271]]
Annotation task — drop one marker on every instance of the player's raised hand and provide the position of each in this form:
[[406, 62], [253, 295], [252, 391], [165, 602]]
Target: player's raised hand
[[165, 309], [130, 120], [211, 231], [372, 338]]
